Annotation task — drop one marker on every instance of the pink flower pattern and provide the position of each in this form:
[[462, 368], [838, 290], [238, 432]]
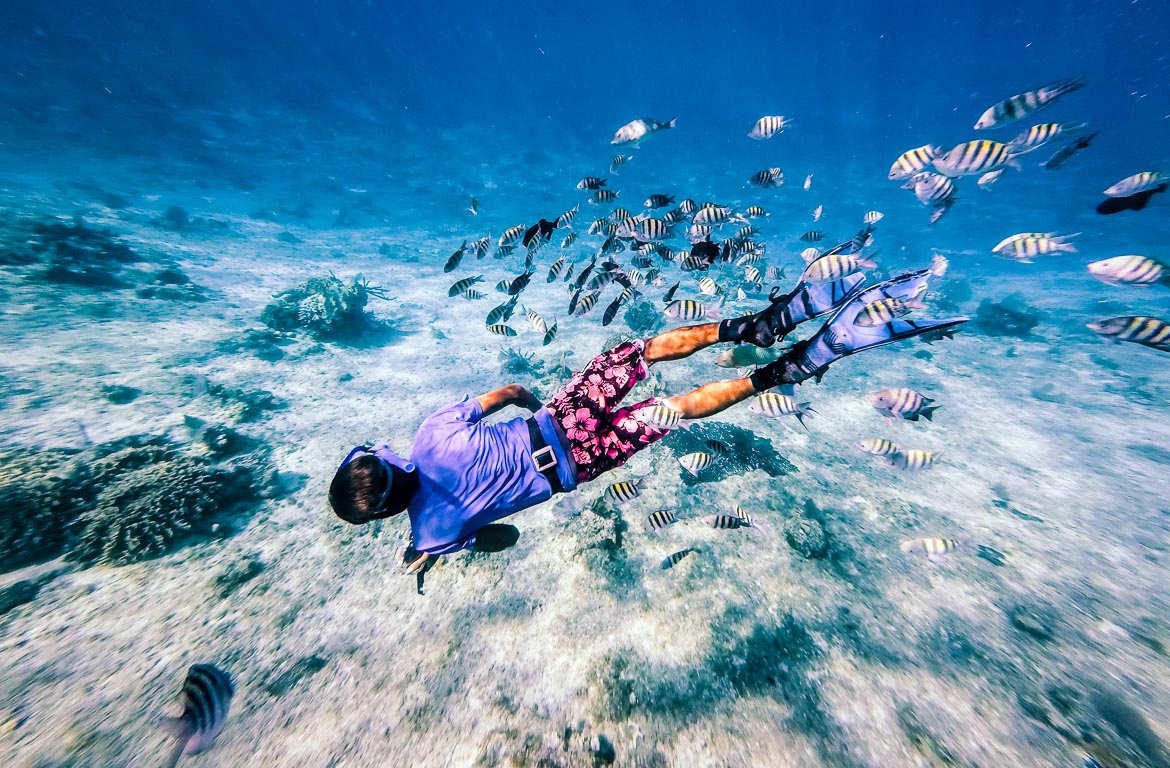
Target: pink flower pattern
[[602, 440]]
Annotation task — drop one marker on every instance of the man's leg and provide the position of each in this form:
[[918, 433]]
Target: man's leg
[[680, 342], [712, 398]]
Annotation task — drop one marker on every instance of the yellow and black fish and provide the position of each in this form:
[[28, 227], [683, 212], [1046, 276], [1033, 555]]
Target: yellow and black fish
[[1150, 332]]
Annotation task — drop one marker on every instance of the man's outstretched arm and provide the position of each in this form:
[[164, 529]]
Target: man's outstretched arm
[[513, 394]]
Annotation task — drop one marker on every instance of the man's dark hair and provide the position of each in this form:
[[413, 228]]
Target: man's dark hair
[[356, 489]]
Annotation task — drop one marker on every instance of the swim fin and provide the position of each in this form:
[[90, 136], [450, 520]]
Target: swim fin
[[788, 310], [841, 336]]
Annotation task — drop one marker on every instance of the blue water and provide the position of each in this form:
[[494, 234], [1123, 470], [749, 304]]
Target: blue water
[[360, 132]]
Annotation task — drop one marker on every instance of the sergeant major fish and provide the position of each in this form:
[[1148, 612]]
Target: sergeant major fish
[[884, 311], [1018, 107], [914, 160], [1150, 332], [206, 695], [974, 158], [1138, 183], [768, 126], [930, 548], [1130, 270], [903, 403], [777, 405]]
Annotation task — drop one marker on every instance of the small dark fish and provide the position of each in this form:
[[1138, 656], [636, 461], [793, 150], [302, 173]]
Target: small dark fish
[[659, 201], [938, 335], [671, 561], [669, 297], [581, 278], [612, 310], [1136, 202], [603, 196], [474, 207], [812, 237], [541, 232], [460, 286], [519, 284], [591, 183], [502, 313], [503, 251], [1025, 515], [569, 239], [1062, 155], [456, 257], [569, 272], [550, 334], [990, 554], [206, 696]]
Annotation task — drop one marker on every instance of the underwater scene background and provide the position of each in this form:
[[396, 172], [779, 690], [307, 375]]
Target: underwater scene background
[[223, 235]]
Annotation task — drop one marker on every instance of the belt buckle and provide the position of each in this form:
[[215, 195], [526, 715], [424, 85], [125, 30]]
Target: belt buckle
[[536, 457]]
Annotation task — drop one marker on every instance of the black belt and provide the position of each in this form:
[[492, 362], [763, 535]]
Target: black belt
[[543, 455]]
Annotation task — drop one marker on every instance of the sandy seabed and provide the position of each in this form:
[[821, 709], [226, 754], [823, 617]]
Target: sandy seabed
[[575, 647]]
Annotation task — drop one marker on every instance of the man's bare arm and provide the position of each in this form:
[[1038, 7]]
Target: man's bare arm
[[513, 394]]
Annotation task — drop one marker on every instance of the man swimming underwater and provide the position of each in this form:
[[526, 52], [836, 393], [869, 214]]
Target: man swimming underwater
[[463, 474]]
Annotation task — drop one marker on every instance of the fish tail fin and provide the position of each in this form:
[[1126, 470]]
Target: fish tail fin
[[180, 729], [670, 123], [867, 263], [913, 304], [1066, 247], [928, 412], [800, 418]]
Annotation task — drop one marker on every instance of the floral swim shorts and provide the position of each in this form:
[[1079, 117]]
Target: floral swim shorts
[[601, 437]]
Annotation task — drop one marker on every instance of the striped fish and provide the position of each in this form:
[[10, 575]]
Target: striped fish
[[812, 237], [914, 160], [500, 329], [618, 161], [1139, 182], [752, 275], [659, 416], [776, 405], [555, 270], [774, 273], [931, 188], [742, 515], [591, 183], [566, 218], [585, 303], [672, 560], [725, 522], [768, 126], [708, 287], [687, 309], [755, 211], [459, 286], [206, 696], [810, 254], [598, 227], [656, 521], [550, 334], [767, 178], [1026, 246], [501, 313], [503, 251], [717, 448], [1018, 107], [456, 257], [604, 196], [618, 215], [697, 233], [626, 490], [931, 548], [1039, 135], [878, 446], [751, 258], [913, 459], [1138, 329], [652, 229], [1130, 270], [535, 320], [614, 306], [975, 158], [695, 462], [658, 201], [481, 246], [472, 294], [873, 217], [884, 311], [829, 268], [715, 214], [903, 403], [511, 235]]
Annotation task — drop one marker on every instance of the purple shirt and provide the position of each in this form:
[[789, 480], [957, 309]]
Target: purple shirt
[[472, 474]]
